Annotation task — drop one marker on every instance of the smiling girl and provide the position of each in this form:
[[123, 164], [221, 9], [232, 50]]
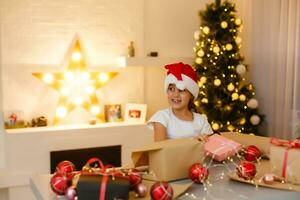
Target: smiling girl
[[179, 121]]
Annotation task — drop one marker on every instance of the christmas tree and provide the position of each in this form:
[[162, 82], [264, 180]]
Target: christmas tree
[[224, 96]]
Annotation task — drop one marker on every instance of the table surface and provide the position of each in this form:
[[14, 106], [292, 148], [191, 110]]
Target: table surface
[[220, 187]]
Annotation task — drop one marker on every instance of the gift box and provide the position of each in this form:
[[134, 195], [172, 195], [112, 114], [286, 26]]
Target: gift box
[[219, 147], [263, 143], [169, 159], [285, 159], [89, 187]]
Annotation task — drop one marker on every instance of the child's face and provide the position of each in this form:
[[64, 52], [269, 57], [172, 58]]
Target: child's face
[[178, 99]]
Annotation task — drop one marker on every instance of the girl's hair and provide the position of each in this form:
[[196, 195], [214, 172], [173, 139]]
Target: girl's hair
[[191, 105]]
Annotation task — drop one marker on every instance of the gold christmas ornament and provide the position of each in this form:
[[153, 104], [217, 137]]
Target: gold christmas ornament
[[215, 126], [230, 128], [228, 108], [238, 21], [200, 53], [224, 24], [238, 40], [242, 97], [204, 100], [234, 96], [206, 30], [197, 103], [242, 121], [199, 60], [217, 82], [203, 79], [230, 87], [228, 47], [216, 49]]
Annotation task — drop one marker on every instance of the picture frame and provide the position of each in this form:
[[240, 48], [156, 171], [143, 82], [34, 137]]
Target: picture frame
[[112, 112], [13, 119], [135, 113]]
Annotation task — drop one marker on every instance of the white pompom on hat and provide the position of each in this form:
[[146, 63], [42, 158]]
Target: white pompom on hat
[[183, 76]]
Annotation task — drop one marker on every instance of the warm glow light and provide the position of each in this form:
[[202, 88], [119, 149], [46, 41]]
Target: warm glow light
[[103, 77], [61, 111], [85, 76], [78, 101], [76, 56], [64, 91], [89, 89], [69, 76], [48, 78], [95, 110]]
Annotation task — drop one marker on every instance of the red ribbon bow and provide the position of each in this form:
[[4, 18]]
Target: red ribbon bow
[[290, 144], [104, 173]]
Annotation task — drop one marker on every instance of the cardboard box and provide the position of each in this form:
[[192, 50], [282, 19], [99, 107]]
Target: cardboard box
[[220, 147], [169, 159], [292, 171], [263, 143]]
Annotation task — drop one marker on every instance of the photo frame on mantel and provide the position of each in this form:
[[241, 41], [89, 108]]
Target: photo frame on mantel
[[135, 113]]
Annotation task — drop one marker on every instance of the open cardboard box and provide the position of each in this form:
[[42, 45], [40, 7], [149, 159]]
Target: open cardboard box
[[264, 167], [169, 159]]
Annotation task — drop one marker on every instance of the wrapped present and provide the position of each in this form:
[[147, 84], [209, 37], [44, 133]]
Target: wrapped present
[[285, 159], [263, 143], [99, 182], [219, 147], [92, 186], [169, 159]]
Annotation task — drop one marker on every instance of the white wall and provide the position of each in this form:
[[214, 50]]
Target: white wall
[[2, 147], [169, 26]]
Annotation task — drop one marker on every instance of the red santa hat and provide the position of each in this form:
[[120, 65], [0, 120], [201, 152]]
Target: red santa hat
[[183, 76]]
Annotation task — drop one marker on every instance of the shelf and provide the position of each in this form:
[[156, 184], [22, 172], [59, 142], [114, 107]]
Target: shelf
[[70, 127], [152, 61]]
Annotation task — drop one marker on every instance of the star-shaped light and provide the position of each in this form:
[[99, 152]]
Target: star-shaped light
[[76, 85]]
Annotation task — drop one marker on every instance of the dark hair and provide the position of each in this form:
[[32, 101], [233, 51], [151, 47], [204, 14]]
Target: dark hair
[[191, 105]]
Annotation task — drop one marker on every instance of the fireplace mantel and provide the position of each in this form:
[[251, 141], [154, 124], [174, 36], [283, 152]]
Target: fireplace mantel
[[28, 150]]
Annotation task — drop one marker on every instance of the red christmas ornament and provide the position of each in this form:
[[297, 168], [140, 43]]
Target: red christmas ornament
[[246, 170], [161, 191], [59, 183], [65, 167], [141, 190], [134, 178], [71, 193], [252, 153], [269, 179], [198, 173]]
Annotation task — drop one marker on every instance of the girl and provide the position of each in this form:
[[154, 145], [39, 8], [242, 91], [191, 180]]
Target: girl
[[179, 121]]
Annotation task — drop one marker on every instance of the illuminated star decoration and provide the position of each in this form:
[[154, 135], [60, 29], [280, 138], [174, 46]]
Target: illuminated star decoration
[[77, 86]]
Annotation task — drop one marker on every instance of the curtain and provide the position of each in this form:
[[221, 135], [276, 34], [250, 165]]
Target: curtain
[[272, 50]]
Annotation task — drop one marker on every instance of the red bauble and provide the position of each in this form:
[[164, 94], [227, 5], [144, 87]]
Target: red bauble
[[59, 183], [246, 170], [252, 153], [71, 193], [134, 178], [198, 173], [65, 167], [161, 191]]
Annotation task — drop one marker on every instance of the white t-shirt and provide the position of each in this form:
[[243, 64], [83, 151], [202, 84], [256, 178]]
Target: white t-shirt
[[177, 128]]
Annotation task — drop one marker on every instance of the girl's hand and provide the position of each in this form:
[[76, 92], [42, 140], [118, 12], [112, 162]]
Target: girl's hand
[[202, 138]]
